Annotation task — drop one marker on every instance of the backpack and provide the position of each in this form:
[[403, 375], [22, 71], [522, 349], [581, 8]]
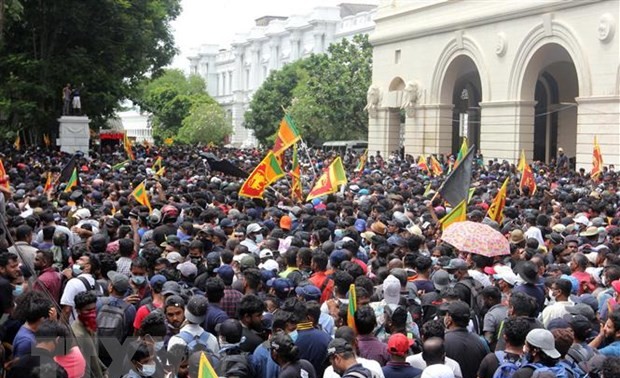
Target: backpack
[[235, 365], [199, 343], [506, 367], [96, 288], [557, 370], [110, 324], [572, 369], [475, 305]]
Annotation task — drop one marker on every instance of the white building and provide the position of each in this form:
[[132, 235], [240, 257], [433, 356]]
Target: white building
[[136, 123], [510, 75], [234, 74]]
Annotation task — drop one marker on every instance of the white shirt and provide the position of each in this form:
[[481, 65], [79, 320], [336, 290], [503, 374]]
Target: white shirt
[[195, 330], [74, 287], [554, 311], [418, 362], [371, 365]]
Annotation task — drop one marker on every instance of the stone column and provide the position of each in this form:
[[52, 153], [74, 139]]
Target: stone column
[[383, 131], [430, 131], [506, 128], [598, 116], [414, 132]]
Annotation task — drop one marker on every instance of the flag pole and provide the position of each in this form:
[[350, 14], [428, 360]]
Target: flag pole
[[305, 147]]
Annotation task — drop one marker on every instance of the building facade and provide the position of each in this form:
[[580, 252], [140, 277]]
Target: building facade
[[509, 75], [234, 74]]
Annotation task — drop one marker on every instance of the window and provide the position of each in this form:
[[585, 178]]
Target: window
[[397, 57]]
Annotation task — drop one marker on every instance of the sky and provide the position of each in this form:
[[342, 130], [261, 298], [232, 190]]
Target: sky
[[217, 22]]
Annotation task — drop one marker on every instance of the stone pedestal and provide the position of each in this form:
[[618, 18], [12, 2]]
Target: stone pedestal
[[74, 134]]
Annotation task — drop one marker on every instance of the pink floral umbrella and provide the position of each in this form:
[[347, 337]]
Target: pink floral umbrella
[[476, 238]]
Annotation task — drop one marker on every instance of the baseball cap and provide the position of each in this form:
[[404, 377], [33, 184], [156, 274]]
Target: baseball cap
[[458, 310], [543, 339], [281, 343], [360, 225], [120, 282], [247, 261], [308, 292], [391, 290], [506, 274], [227, 222], [171, 240], [174, 257], [82, 214], [269, 265], [578, 322], [281, 285], [337, 346], [158, 278], [286, 223], [175, 301], [457, 264], [555, 238], [265, 253], [441, 279], [399, 344], [196, 309], [337, 257], [225, 272], [171, 287], [187, 269], [253, 228], [583, 310]]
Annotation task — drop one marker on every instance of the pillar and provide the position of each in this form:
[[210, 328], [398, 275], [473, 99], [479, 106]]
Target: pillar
[[383, 131], [598, 116], [506, 128]]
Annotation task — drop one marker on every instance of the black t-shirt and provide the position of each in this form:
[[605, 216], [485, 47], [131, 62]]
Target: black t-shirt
[[160, 233], [252, 340], [301, 368], [490, 363], [6, 296]]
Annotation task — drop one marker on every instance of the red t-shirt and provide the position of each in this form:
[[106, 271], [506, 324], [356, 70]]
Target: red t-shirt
[[142, 312]]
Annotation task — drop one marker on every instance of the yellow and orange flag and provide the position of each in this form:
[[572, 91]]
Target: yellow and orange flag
[[296, 190], [457, 214], [597, 160], [422, 164], [48, 183], [436, 167], [288, 134], [496, 210], [265, 173], [522, 162], [46, 140], [3, 176], [139, 193], [18, 143], [352, 307], [362, 163], [128, 148], [329, 181], [528, 180]]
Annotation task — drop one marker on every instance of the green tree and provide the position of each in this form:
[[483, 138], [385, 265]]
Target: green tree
[[329, 102], [206, 123], [169, 97], [109, 46], [324, 93], [276, 92]]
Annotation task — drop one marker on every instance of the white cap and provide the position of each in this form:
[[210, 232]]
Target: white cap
[[264, 253], [269, 265], [82, 214]]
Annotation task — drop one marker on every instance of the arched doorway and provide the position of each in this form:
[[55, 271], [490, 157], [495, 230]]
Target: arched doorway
[[551, 81], [462, 88]]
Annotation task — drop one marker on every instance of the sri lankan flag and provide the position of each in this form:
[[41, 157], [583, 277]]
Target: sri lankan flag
[[329, 180], [48, 183], [457, 214], [157, 164], [3, 176], [462, 152], [296, 191], [422, 163], [139, 193], [205, 370], [352, 307], [128, 148], [496, 209], [362, 162], [74, 181], [261, 177], [288, 134], [527, 180], [597, 160], [522, 162], [436, 167]]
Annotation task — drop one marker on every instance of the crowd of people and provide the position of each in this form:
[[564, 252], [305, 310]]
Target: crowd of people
[[94, 284]]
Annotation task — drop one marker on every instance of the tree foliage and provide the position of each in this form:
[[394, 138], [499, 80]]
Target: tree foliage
[[109, 45], [169, 97], [206, 123], [324, 93]]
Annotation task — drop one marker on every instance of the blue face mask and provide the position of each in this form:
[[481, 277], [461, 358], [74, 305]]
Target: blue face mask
[[259, 238], [338, 233], [159, 345], [77, 269], [18, 290], [293, 335], [138, 280], [148, 369]]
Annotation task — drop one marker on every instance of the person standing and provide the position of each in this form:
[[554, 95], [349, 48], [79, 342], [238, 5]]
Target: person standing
[[397, 367], [85, 331], [343, 360], [76, 104], [66, 99], [463, 347], [286, 354]]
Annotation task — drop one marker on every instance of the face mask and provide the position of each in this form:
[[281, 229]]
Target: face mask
[[138, 280], [259, 238], [196, 261], [159, 345], [148, 369], [451, 277], [293, 335], [551, 297], [338, 233], [18, 290], [89, 319], [604, 281], [434, 260], [77, 270]]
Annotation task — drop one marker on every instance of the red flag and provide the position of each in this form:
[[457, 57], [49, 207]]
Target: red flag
[[527, 180]]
